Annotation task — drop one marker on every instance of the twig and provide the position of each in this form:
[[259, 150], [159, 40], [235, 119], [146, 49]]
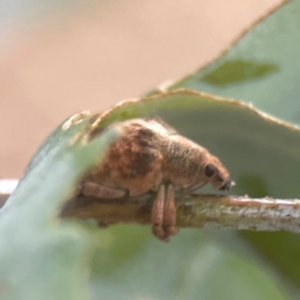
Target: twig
[[211, 211], [3, 198], [7, 186]]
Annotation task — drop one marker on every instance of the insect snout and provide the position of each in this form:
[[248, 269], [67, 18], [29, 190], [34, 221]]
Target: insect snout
[[226, 186]]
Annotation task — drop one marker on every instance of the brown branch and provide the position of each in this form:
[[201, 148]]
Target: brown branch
[[209, 211], [3, 198], [7, 186]]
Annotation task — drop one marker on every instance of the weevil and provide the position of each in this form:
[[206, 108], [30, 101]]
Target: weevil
[[149, 155]]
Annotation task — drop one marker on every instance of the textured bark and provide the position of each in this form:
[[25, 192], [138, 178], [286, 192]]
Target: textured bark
[[211, 211]]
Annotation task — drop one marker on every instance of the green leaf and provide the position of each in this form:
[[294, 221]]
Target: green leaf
[[262, 68], [41, 257], [192, 266]]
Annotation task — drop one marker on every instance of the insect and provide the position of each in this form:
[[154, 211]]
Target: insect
[[149, 155]]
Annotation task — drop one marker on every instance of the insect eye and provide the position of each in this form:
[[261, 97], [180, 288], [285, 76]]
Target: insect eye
[[210, 170]]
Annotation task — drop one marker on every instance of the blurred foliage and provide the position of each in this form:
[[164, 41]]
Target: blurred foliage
[[270, 82], [41, 256], [260, 68]]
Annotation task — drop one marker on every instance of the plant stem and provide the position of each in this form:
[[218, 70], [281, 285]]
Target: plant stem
[[211, 211], [7, 186]]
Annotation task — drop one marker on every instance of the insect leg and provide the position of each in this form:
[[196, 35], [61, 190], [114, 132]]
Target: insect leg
[[93, 189], [170, 210], [157, 213]]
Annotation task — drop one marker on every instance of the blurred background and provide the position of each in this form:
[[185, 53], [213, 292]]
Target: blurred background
[[60, 57]]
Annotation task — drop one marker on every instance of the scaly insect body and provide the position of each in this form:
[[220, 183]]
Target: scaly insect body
[[150, 155]]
